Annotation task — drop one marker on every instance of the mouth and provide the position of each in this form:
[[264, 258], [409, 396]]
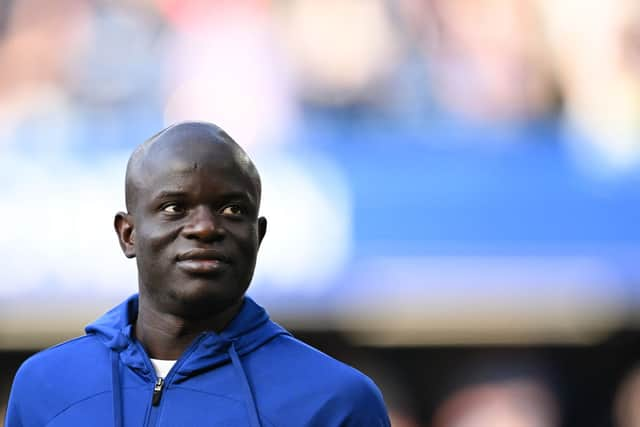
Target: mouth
[[203, 261]]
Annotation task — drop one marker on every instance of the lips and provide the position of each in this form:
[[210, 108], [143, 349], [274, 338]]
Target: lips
[[203, 261]]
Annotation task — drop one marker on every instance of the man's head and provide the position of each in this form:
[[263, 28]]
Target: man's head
[[192, 222]]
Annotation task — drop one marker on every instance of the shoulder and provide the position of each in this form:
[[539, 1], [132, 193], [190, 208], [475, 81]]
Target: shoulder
[[74, 354], [335, 388], [54, 378], [300, 356]]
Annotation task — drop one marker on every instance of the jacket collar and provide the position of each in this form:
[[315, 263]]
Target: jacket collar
[[250, 329]]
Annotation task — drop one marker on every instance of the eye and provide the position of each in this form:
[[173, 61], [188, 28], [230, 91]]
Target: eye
[[233, 210], [172, 208]]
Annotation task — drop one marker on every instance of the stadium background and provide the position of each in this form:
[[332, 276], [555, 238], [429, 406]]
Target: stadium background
[[453, 186]]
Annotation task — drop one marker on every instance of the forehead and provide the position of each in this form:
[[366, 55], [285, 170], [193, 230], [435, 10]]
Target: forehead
[[191, 164]]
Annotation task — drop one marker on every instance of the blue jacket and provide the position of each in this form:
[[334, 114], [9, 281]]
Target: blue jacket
[[254, 373]]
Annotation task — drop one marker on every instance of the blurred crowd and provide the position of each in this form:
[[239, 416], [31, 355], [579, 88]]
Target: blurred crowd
[[505, 388], [85, 75]]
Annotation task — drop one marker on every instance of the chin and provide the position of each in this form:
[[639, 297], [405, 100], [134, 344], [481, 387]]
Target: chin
[[205, 299]]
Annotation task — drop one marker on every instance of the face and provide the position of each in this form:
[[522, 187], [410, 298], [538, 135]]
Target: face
[[194, 227]]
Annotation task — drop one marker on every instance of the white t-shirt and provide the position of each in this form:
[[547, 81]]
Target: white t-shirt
[[162, 367]]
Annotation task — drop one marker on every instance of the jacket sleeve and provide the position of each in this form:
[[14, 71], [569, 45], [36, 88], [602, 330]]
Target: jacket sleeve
[[13, 418], [357, 402], [24, 408], [368, 408]]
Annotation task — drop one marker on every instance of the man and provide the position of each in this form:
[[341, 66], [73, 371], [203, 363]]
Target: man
[[191, 349]]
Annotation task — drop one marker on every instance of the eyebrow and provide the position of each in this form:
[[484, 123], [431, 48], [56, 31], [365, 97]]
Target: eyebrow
[[167, 194], [238, 195]]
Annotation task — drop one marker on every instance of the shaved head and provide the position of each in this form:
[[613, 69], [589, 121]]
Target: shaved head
[[179, 137], [191, 188]]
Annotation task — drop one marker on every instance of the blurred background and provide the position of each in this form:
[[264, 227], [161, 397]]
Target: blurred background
[[453, 186]]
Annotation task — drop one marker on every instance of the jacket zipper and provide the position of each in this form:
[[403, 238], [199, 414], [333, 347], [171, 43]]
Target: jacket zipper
[[161, 383], [157, 391]]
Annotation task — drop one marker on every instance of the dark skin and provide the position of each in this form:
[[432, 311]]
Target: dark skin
[[192, 224]]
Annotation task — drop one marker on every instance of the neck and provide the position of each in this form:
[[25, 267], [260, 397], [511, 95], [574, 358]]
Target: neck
[[166, 336]]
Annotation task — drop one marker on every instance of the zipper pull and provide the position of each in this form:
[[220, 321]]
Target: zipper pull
[[157, 391]]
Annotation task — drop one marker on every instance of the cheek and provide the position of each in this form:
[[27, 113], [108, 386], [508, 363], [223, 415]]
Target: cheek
[[247, 238], [153, 239], [245, 241]]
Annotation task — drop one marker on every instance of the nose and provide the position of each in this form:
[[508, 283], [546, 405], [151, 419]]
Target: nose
[[202, 225]]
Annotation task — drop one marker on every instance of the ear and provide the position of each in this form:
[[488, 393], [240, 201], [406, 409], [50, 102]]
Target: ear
[[123, 224], [262, 228]]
